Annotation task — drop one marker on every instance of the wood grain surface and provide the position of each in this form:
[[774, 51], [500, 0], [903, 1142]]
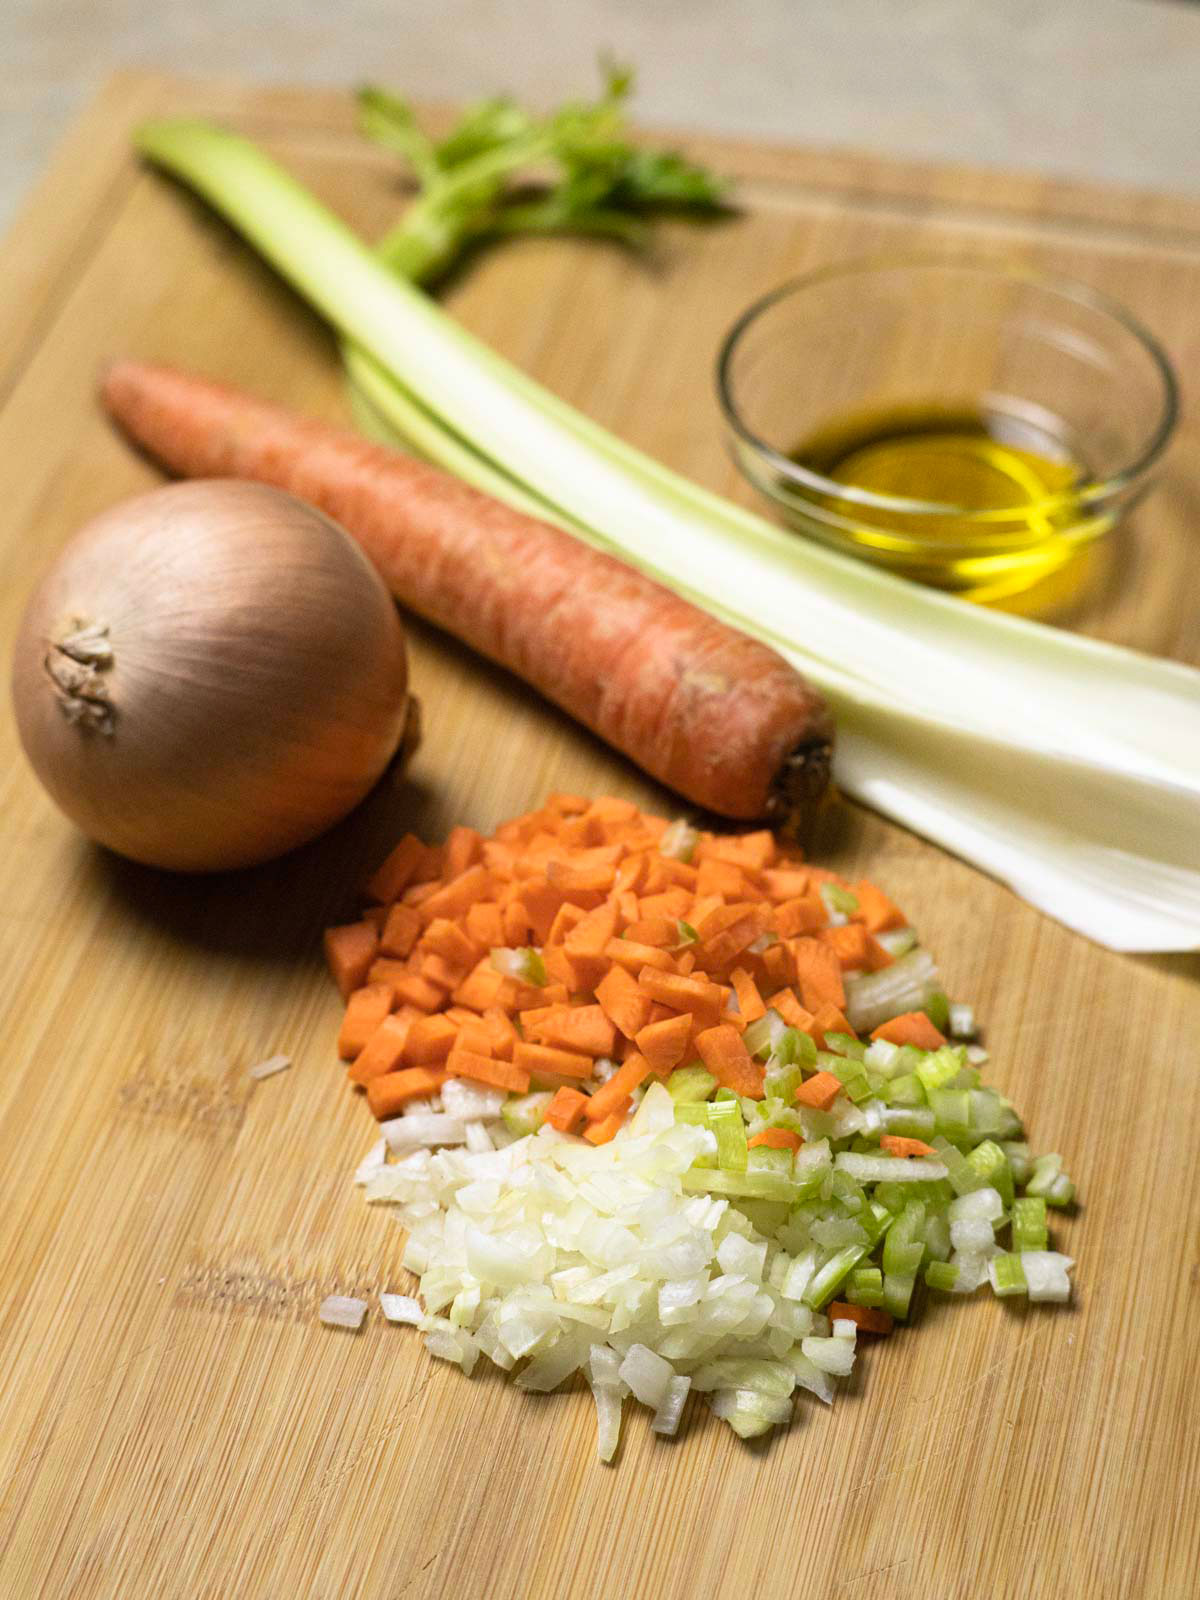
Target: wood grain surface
[[173, 1421]]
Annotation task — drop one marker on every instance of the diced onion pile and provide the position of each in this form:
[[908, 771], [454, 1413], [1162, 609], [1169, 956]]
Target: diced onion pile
[[727, 1237]]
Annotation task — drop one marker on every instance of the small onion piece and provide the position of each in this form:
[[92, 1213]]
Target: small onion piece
[[342, 1311], [209, 675]]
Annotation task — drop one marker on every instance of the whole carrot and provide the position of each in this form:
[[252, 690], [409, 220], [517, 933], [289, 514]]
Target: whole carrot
[[709, 712]]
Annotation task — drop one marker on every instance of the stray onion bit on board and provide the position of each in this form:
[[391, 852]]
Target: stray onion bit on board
[[209, 675], [342, 1311], [268, 1068]]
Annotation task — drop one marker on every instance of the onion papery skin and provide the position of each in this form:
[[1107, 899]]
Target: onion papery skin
[[244, 681]]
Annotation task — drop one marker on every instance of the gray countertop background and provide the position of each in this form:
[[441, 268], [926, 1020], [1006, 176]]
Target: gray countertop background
[[1093, 88]]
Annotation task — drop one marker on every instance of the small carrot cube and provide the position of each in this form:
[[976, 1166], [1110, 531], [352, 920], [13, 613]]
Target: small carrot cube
[[397, 871], [350, 950], [481, 988], [547, 1060], [789, 1008], [805, 914], [750, 1002], [608, 809], [514, 924], [586, 1029], [828, 1020], [384, 1050], [608, 1128], [819, 974], [875, 910], [787, 883], [663, 1043], [559, 967], [623, 1002], [776, 1139], [868, 1319], [893, 1144], [751, 851], [683, 994], [486, 1069], [418, 893], [819, 1092], [430, 1039], [778, 964], [723, 878], [634, 957], [455, 899], [540, 900], [565, 1111], [618, 1090], [400, 930], [388, 970], [445, 975], [631, 874], [502, 1032], [716, 953], [446, 939], [711, 916], [673, 902], [661, 932], [849, 943], [388, 1094], [463, 849], [731, 1064], [365, 1010], [567, 804], [592, 932], [414, 989], [565, 918], [877, 956], [484, 923], [475, 1037], [915, 1028]]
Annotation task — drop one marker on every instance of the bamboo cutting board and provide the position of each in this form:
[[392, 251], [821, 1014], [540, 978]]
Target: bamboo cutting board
[[173, 1421]]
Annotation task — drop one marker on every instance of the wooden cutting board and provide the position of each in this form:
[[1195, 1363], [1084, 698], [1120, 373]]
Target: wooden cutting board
[[173, 1421]]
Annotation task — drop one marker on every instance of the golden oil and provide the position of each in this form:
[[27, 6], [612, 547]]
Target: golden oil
[[1015, 486]]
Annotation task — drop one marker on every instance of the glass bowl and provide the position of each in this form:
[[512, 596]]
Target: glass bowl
[[1075, 402]]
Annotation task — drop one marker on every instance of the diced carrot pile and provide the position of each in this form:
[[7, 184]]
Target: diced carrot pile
[[651, 962]]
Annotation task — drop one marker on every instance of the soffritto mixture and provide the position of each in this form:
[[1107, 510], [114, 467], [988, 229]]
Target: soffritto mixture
[[677, 1110]]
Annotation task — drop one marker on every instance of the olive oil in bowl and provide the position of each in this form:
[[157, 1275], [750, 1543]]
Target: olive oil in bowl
[[960, 457], [981, 500], [962, 421]]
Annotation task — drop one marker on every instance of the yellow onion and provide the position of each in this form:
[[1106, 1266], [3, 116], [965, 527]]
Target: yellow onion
[[208, 675]]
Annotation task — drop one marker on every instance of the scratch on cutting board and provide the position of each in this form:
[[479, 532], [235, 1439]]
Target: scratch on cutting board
[[309, 1503], [875, 1572], [419, 1573], [961, 1395], [56, 1432]]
